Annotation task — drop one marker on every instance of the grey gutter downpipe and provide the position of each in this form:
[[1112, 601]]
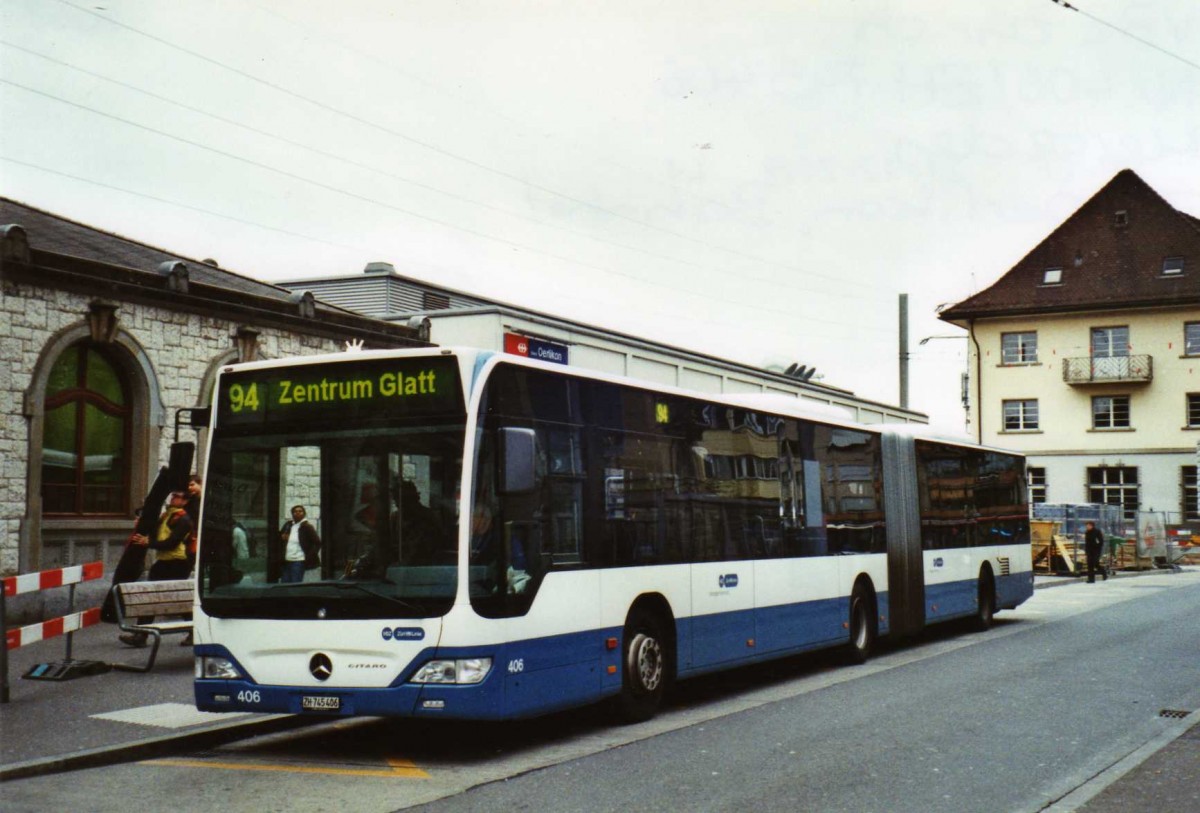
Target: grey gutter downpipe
[[978, 383]]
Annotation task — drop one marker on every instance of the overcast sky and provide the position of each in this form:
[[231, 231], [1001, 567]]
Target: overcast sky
[[755, 180]]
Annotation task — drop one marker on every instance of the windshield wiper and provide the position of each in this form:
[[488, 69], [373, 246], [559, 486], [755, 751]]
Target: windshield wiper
[[393, 599], [362, 588]]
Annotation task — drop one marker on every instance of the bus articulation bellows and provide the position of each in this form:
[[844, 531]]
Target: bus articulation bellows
[[502, 538]]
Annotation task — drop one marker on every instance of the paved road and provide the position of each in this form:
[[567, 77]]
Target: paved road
[[1015, 720], [811, 705]]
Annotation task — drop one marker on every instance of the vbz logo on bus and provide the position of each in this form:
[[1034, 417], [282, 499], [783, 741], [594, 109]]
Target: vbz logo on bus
[[728, 580]]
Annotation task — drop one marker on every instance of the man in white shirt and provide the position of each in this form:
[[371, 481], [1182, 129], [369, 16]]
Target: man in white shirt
[[301, 546]]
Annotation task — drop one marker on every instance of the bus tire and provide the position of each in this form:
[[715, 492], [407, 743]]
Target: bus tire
[[985, 614], [644, 677], [862, 625]]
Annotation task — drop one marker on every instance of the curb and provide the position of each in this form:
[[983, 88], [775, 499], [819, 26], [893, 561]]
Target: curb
[[1089, 790], [166, 744], [1062, 581]]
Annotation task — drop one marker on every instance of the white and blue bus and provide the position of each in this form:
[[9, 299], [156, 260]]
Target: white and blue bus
[[502, 538]]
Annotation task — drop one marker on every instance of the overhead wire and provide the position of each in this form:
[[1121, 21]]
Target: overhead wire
[[308, 237], [1064, 4], [475, 104], [180, 204], [404, 179], [456, 157], [677, 292]]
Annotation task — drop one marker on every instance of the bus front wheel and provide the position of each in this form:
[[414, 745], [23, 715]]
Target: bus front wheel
[[645, 667]]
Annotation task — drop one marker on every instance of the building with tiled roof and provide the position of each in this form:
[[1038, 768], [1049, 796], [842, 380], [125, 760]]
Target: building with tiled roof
[[1086, 355], [102, 340]]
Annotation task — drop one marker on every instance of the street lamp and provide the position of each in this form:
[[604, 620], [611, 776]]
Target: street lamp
[[966, 380], [927, 338]]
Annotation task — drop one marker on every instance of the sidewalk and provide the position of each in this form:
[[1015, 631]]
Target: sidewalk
[[52, 726]]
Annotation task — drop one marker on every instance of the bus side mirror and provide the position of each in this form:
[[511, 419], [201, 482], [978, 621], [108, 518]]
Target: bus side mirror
[[518, 460], [179, 469]]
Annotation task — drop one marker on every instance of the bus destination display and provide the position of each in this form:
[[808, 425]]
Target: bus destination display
[[345, 390]]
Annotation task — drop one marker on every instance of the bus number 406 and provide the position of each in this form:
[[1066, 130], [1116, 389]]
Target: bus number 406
[[516, 666]]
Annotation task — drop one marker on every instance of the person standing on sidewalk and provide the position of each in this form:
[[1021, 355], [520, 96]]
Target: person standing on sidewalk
[[195, 492], [1093, 546], [170, 553], [301, 546]]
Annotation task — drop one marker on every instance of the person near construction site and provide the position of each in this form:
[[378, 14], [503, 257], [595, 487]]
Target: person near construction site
[[1093, 546]]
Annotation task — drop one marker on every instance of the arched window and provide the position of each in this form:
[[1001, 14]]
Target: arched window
[[86, 435]]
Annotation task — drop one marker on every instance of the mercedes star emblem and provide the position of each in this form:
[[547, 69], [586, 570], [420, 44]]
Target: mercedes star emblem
[[320, 666]]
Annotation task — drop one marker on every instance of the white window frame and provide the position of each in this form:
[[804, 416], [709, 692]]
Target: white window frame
[[1020, 415], [1189, 487], [1191, 338], [1022, 350], [1037, 484], [1115, 485], [1115, 343], [1118, 408]]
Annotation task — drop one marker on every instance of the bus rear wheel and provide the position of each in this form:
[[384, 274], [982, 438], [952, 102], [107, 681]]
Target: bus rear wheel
[[862, 627], [986, 613], [645, 674]]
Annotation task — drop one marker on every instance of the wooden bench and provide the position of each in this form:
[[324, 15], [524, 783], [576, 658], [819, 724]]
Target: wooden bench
[[156, 601]]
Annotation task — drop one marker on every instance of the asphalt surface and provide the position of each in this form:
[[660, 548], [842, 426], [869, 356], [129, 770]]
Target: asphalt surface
[[51, 726]]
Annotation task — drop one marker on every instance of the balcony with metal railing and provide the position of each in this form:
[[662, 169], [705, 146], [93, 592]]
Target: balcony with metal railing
[[1109, 370]]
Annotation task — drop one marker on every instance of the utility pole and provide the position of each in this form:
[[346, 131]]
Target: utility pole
[[904, 351]]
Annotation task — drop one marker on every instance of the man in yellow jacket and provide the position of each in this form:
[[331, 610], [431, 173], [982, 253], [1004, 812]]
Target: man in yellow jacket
[[170, 552]]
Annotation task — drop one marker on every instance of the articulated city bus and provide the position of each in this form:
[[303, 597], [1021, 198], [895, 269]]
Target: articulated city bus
[[491, 537]]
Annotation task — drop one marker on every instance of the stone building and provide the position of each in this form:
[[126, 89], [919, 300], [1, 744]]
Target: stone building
[[102, 340]]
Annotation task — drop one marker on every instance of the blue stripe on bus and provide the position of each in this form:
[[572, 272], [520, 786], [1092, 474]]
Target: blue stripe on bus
[[950, 600], [1013, 589], [960, 598], [540, 675]]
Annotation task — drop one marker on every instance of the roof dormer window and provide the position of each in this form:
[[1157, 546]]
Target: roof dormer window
[[1052, 276], [1172, 267]]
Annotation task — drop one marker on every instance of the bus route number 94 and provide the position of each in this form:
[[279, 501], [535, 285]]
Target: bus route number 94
[[243, 397]]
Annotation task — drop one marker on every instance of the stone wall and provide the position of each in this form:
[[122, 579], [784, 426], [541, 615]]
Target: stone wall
[[174, 352]]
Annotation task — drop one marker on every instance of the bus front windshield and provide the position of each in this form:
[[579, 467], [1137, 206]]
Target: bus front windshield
[[332, 522]]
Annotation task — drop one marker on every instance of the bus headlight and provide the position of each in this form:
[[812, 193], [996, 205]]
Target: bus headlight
[[211, 667], [464, 670]]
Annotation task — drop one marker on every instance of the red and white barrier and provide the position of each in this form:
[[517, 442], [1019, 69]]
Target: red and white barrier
[[67, 624], [23, 636], [47, 579]]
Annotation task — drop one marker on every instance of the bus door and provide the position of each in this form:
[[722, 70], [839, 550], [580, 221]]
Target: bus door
[[723, 625]]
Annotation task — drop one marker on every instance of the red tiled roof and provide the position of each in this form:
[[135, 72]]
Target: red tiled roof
[[1105, 263]]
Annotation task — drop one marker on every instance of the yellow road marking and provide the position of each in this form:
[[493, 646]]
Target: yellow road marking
[[399, 768]]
